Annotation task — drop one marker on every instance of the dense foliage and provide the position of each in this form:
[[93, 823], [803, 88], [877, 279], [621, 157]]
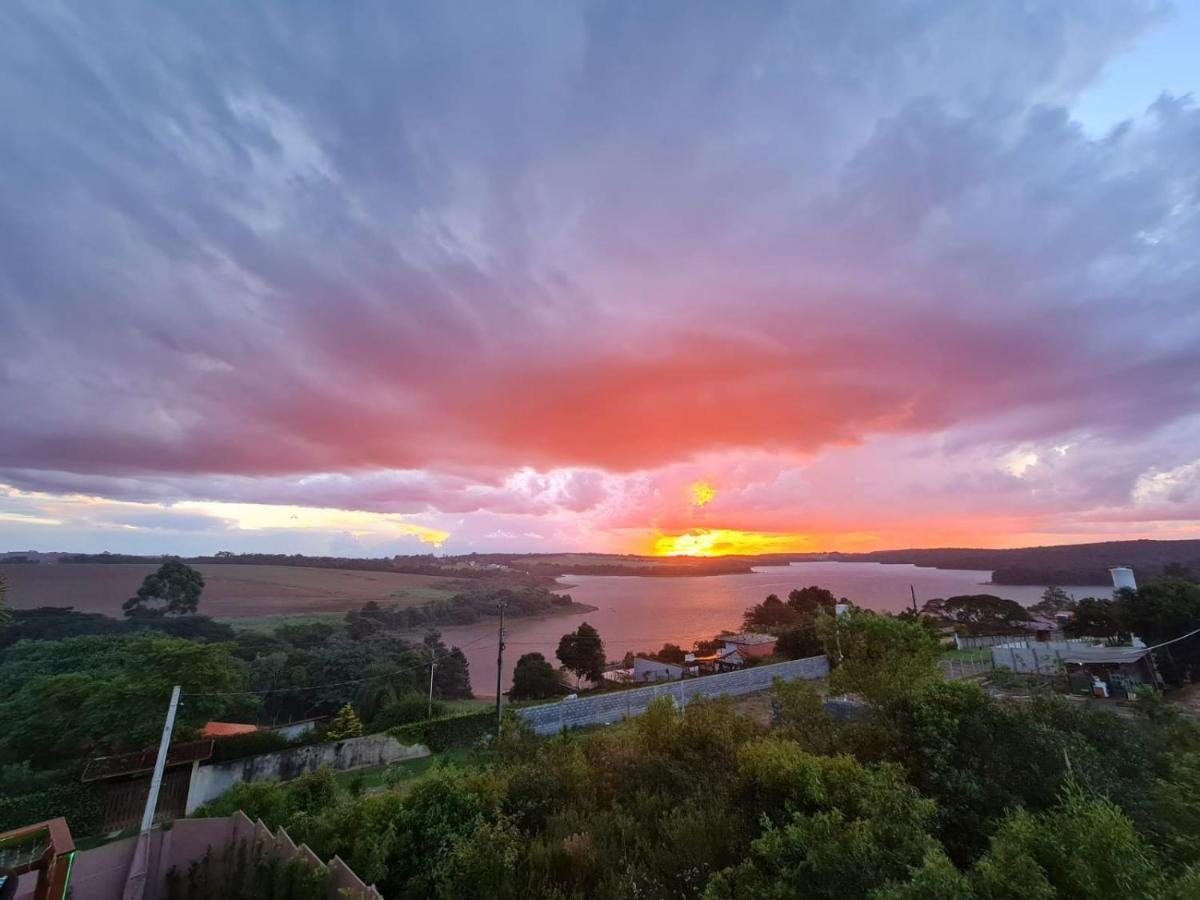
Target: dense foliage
[[582, 652], [54, 623], [978, 613], [534, 678], [1061, 564], [464, 730], [461, 609], [1161, 609], [78, 685], [935, 790]]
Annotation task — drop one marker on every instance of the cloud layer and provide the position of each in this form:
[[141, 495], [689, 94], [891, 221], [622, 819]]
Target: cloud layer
[[534, 270]]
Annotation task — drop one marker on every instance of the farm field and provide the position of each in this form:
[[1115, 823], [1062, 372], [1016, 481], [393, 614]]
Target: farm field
[[230, 592]]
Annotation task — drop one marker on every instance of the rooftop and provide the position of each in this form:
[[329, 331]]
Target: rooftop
[[748, 637]]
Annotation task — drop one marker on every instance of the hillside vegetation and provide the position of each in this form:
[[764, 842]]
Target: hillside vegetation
[[1070, 564], [935, 791]]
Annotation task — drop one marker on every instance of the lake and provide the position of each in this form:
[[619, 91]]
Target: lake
[[642, 614]]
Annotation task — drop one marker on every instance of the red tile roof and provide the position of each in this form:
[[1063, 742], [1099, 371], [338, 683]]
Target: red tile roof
[[226, 729]]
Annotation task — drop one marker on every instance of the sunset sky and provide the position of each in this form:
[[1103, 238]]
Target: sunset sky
[[376, 278]]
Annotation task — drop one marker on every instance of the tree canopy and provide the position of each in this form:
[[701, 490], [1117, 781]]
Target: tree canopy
[[173, 590], [582, 652], [534, 678]]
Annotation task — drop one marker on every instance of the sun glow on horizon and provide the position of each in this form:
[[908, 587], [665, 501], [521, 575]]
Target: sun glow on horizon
[[727, 542]]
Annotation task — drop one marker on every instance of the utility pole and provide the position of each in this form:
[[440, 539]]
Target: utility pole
[[500, 664], [432, 664], [913, 591], [135, 883]]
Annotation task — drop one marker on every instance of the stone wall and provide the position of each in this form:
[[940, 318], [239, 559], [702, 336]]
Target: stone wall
[[605, 709]]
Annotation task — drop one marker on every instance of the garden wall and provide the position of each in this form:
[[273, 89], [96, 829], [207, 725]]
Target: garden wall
[[608, 708]]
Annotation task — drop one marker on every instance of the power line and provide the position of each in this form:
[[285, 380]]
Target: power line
[[1173, 640]]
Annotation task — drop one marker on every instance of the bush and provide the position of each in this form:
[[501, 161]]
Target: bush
[[238, 746], [276, 803], [443, 734], [77, 803], [407, 709]]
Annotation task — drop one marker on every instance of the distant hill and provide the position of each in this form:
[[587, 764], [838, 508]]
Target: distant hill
[[1069, 564]]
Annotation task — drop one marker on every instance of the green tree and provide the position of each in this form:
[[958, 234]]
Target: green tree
[[173, 590], [582, 652], [837, 828], [345, 725], [799, 642], [802, 717], [671, 653], [984, 613], [1160, 609], [452, 677], [482, 863], [1084, 849], [878, 656], [1054, 600], [76, 697], [936, 879], [1094, 618], [811, 600], [534, 678], [772, 613]]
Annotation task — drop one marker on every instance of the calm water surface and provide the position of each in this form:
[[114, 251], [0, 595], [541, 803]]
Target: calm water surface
[[644, 613]]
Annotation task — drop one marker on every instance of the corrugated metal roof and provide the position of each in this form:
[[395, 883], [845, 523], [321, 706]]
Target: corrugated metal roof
[[1104, 655], [749, 638], [143, 760]]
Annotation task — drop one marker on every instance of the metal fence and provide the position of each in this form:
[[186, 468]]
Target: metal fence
[[982, 641], [606, 709], [955, 669]]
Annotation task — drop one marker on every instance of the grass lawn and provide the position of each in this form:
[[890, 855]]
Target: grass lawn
[[401, 773]]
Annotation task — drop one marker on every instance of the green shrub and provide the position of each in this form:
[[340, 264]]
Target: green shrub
[[276, 803], [77, 803], [452, 731], [406, 710], [238, 746]]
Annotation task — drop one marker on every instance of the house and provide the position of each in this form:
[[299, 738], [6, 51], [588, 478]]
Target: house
[[749, 644], [646, 669], [1123, 669], [618, 675], [1044, 628], [721, 661]]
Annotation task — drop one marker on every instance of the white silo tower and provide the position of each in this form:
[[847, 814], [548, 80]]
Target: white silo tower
[[1122, 577]]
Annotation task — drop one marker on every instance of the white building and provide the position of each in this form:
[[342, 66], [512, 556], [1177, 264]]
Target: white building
[[645, 669]]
